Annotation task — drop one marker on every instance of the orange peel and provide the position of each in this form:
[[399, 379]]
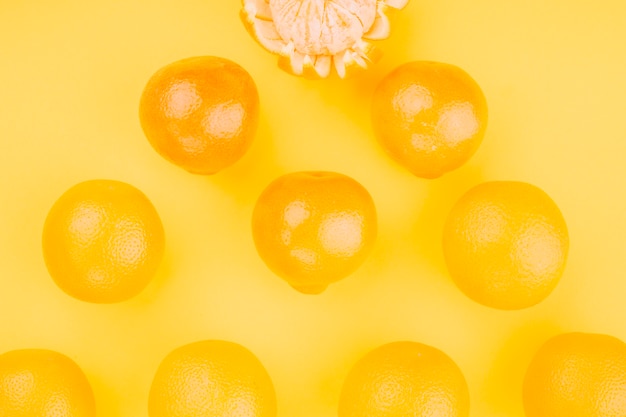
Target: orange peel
[[311, 37]]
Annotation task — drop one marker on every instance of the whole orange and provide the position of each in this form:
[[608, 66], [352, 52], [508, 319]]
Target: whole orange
[[200, 113], [211, 378], [429, 116], [43, 383], [314, 228], [505, 244], [403, 379], [577, 375], [103, 241]]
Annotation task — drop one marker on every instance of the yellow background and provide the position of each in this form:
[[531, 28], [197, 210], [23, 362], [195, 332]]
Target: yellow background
[[71, 74]]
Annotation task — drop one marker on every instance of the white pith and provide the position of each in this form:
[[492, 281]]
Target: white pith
[[319, 34]]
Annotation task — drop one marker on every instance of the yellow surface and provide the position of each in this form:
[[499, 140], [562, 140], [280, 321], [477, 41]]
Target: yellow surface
[[71, 76]]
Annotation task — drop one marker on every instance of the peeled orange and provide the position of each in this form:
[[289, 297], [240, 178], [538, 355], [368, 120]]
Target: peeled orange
[[312, 37]]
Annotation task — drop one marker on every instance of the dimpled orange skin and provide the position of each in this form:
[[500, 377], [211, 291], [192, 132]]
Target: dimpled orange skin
[[505, 244], [314, 228], [212, 378], [403, 379], [43, 383], [103, 241], [200, 113], [430, 117], [577, 375]]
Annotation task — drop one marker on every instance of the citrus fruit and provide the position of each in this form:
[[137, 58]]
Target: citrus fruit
[[577, 375], [103, 241], [403, 379], [505, 244], [211, 378], [43, 383], [200, 113], [314, 228], [429, 116], [311, 36]]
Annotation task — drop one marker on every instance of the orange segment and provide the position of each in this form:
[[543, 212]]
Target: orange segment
[[313, 36], [314, 228]]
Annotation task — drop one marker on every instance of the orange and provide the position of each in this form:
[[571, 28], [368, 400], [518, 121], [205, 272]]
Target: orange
[[403, 379], [314, 228], [577, 375], [313, 37], [429, 116], [211, 378], [43, 383], [200, 113], [505, 244], [103, 241]]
